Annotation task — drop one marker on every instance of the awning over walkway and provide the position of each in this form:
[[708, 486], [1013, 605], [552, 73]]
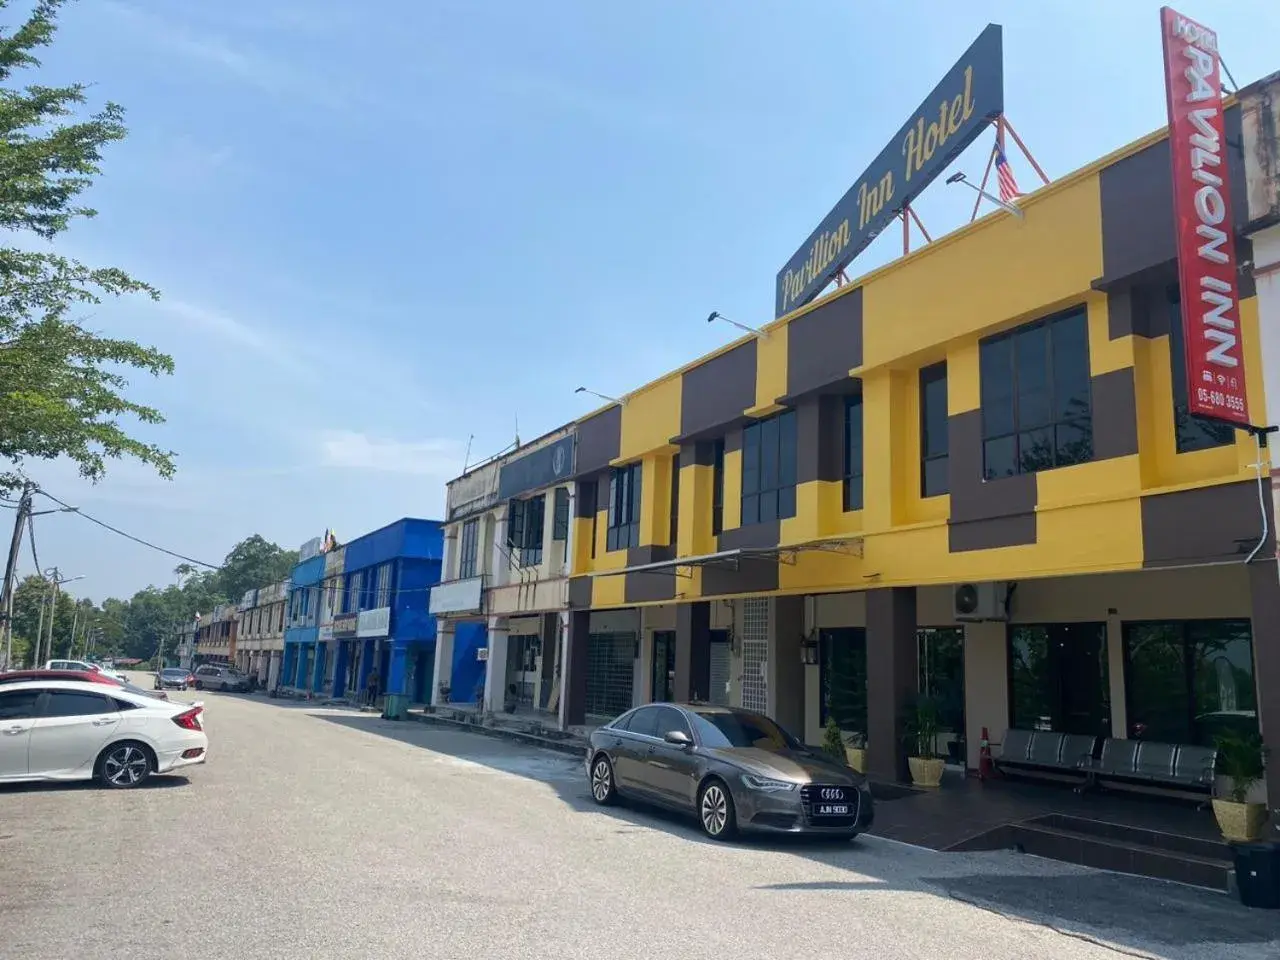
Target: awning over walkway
[[786, 553]]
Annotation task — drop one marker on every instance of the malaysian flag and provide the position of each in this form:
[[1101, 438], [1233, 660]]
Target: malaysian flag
[[1008, 185]]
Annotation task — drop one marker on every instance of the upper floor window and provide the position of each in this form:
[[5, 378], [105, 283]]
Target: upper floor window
[[933, 430], [624, 508], [524, 529], [853, 453], [467, 549], [355, 586], [717, 486], [1190, 432], [560, 519], [769, 469], [1037, 410], [675, 500]]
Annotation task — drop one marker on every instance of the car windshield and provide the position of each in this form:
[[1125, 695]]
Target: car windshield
[[171, 672], [733, 729]]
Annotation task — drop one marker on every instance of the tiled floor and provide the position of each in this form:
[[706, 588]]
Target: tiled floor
[[966, 808]]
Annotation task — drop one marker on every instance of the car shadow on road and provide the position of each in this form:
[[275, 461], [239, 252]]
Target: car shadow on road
[[1133, 913], [161, 781]]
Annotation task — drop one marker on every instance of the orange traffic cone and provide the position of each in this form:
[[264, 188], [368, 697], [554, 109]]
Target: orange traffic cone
[[985, 767]]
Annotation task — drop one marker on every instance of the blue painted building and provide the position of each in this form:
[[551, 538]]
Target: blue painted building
[[303, 670], [382, 620]]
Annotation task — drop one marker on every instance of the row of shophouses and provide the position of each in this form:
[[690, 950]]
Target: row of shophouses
[[971, 473]]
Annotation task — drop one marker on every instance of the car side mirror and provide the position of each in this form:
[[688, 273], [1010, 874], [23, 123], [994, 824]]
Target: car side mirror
[[679, 738]]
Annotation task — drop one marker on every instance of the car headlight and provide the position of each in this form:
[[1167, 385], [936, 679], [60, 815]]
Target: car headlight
[[766, 785]]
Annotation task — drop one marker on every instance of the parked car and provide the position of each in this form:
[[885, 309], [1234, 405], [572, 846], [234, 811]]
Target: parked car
[[735, 769], [213, 676], [81, 730], [87, 676], [87, 667], [174, 678]]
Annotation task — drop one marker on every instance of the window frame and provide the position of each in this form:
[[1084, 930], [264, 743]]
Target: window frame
[[767, 472], [560, 516], [717, 486], [930, 376], [853, 473], [1054, 421], [625, 499], [468, 548]]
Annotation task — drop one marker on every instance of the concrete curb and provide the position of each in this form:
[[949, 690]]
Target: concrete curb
[[573, 748]]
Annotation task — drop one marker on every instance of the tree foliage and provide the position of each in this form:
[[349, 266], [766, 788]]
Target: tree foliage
[[61, 384], [135, 627]]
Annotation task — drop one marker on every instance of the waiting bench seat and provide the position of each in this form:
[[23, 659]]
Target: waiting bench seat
[[1182, 766], [1046, 751]]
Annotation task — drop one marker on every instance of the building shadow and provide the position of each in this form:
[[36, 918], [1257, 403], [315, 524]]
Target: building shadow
[[1134, 913]]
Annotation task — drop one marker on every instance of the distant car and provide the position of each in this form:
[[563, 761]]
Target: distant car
[[214, 676], [85, 666], [81, 730], [735, 769], [174, 678]]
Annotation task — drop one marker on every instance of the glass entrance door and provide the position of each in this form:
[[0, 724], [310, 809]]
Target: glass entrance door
[[1058, 678], [664, 664], [940, 655], [842, 676]]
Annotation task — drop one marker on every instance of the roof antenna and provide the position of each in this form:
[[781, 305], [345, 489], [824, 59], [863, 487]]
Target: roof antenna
[[466, 457], [517, 430]]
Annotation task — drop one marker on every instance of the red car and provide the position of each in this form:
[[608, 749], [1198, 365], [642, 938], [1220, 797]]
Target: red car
[[89, 676]]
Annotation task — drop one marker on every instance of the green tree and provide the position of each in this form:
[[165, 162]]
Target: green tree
[[61, 384], [253, 562]]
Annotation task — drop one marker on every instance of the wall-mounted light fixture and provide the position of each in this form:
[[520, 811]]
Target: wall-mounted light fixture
[[601, 396], [717, 315], [809, 651], [1007, 207]]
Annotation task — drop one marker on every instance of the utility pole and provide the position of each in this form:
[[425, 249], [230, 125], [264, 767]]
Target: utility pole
[[53, 612], [9, 588], [75, 622]]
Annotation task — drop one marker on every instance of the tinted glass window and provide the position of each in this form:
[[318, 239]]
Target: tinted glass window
[[769, 470], [742, 730], [934, 443], [853, 453], [645, 722], [73, 703], [669, 719], [18, 704], [1191, 432]]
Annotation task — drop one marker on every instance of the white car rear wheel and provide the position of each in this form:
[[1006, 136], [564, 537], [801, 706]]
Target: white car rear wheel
[[125, 765]]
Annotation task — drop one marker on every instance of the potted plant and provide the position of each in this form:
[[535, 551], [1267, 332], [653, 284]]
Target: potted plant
[[855, 751], [1242, 761], [921, 727], [846, 748]]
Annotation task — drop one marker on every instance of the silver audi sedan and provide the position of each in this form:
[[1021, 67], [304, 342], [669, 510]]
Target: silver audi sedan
[[736, 770]]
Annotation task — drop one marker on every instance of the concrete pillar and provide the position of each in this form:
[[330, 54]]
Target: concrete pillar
[[273, 670], [693, 652], [340, 667], [573, 702], [892, 678], [1264, 595], [495, 670], [549, 631], [317, 669], [785, 697], [1115, 678], [300, 673], [986, 685], [443, 672]]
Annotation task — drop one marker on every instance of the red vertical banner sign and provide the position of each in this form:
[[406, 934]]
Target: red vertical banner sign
[[1205, 230]]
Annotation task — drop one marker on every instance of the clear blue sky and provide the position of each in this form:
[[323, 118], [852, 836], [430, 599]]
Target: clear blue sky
[[380, 228]]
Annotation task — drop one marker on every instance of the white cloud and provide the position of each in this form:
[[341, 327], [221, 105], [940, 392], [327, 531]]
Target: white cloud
[[350, 449]]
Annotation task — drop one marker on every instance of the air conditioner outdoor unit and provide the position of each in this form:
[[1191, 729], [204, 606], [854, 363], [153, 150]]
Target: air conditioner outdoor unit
[[974, 602]]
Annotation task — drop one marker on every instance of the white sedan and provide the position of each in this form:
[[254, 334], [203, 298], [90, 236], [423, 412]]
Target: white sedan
[[73, 730]]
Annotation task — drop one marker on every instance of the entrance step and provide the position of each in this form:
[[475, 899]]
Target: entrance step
[[1112, 846]]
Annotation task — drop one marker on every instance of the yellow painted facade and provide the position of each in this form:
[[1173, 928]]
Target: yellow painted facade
[[937, 304]]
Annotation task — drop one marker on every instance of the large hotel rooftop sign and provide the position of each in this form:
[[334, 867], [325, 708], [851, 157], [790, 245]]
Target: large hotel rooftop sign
[[951, 117], [1202, 209]]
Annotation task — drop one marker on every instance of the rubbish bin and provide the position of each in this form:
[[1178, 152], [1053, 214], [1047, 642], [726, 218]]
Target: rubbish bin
[[395, 707], [1258, 874]]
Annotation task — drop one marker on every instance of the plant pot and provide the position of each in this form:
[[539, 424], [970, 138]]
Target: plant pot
[[856, 757], [925, 771], [1240, 822]]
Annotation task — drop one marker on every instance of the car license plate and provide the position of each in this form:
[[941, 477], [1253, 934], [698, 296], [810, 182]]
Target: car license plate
[[833, 810]]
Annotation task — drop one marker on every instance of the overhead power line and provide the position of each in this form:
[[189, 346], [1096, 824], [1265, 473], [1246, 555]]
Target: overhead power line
[[127, 536]]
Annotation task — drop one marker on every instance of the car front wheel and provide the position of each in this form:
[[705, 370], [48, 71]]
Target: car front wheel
[[125, 765], [716, 814], [603, 791]]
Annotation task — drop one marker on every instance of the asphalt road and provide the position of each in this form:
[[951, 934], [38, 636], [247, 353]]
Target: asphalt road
[[330, 834]]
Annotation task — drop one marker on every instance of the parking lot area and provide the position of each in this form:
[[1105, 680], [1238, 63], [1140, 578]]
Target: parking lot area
[[317, 832]]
